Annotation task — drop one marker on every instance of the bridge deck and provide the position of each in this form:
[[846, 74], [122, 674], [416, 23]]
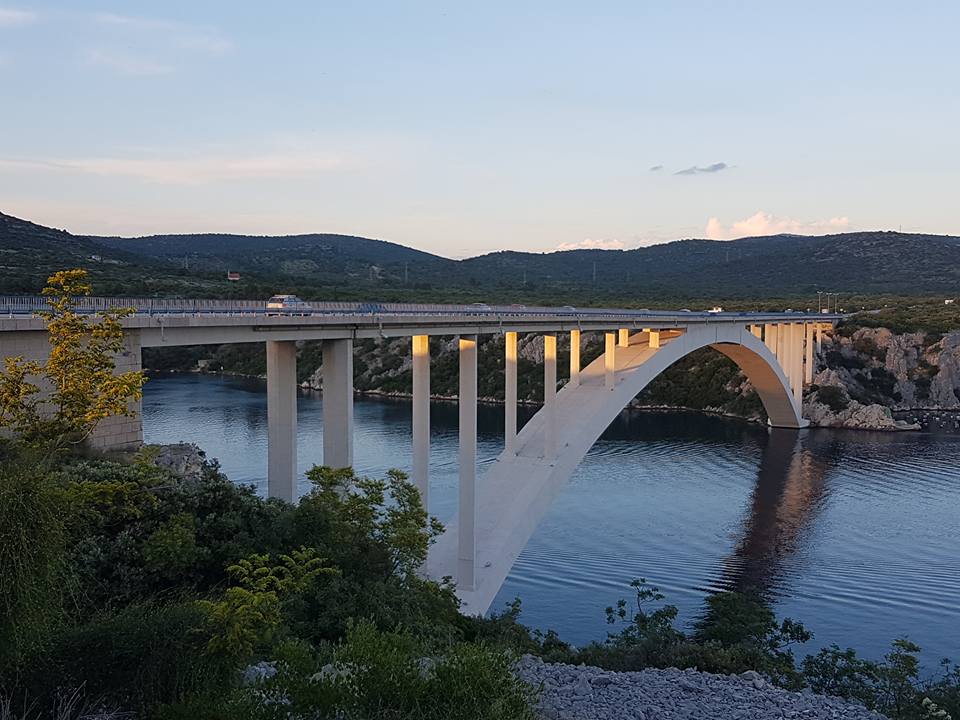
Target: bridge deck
[[189, 322]]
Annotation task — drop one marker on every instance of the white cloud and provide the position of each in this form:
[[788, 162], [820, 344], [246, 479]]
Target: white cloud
[[124, 63], [589, 244], [762, 223], [192, 171], [107, 18], [10, 17], [177, 34]]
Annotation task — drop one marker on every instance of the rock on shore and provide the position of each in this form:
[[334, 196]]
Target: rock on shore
[[182, 459], [588, 693]]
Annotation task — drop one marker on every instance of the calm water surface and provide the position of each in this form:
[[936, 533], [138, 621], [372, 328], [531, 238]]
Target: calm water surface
[[854, 533]]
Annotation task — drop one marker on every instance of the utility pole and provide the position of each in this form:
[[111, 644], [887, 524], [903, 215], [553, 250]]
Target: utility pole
[[819, 301], [594, 272]]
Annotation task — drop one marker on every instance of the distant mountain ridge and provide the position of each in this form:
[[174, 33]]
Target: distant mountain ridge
[[778, 265]]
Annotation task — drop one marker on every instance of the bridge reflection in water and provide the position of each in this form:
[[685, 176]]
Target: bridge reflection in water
[[790, 489]]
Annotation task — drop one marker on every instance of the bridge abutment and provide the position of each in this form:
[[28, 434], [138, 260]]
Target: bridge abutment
[[117, 432], [121, 432]]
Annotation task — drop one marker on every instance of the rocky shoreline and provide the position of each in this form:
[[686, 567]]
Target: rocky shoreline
[[860, 417], [589, 693]]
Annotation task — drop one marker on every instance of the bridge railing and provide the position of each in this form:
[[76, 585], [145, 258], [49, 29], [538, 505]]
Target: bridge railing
[[13, 305], [28, 305]]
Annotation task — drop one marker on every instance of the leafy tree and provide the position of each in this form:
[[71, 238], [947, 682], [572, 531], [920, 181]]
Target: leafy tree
[[65, 397], [252, 609], [379, 525]]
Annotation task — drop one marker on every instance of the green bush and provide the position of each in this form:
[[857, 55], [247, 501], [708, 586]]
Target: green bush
[[138, 657], [833, 397], [375, 675], [32, 546], [867, 346], [376, 533], [137, 531], [738, 632], [892, 686]]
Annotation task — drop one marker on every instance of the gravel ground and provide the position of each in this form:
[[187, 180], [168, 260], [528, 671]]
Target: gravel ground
[[588, 693]]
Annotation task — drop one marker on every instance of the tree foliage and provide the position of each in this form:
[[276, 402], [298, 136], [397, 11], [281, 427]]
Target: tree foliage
[[64, 397]]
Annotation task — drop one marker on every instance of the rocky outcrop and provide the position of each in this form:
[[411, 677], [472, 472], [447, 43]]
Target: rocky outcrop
[[185, 460], [907, 371], [945, 385], [589, 693], [855, 416], [830, 405]]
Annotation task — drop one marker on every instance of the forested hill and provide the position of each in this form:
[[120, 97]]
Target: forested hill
[[328, 266]]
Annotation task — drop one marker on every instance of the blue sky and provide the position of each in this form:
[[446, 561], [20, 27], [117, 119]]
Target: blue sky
[[461, 128]]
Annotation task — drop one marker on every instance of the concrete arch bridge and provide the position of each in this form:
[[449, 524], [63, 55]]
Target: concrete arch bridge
[[498, 512]]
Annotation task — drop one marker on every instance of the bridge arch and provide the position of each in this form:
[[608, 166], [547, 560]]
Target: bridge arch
[[517, 489]]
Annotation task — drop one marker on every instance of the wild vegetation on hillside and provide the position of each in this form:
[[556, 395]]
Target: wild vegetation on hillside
[[752, 273]]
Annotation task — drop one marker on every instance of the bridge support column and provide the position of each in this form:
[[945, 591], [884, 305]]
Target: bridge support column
[[770, 337], [808, 356], [609, 359], [819, 334], [756, 331], [796, 361], [783, 355], [574, 358], [421, 416], [467, 519], [281, 419], [510, 392], [654, 338], [623, 337], [550, 395], [338, 403], [781, 345]]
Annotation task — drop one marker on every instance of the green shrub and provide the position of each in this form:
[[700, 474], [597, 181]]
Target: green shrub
[[138, 531], [252, 609], [867, 346], [737, 633], [365, 526], [833, 397], [32, 545], [374, 675], [376, 533], [135, 658], [892, 686]]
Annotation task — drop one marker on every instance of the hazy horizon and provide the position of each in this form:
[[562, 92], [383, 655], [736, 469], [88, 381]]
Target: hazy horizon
[[461, 131]]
